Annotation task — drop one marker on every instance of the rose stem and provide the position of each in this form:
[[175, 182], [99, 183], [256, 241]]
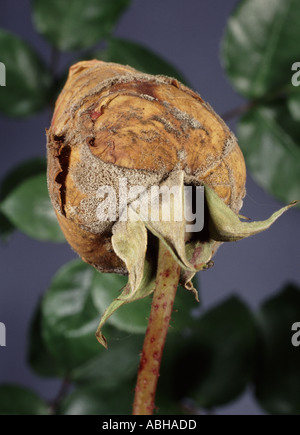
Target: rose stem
[[167, 279]]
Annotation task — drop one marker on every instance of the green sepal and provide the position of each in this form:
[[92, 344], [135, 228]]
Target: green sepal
[[132, 247], [130, 244], [199, 254], [145, 288], [226, 226], [171, 232]]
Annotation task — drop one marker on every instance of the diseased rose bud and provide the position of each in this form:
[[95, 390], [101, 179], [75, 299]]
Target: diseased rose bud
[[115, 128], [111, 121]]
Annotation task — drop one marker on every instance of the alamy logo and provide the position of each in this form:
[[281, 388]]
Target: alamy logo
[[2, 74], [296, 76], [2, 334], [158, 203], [296, 335]]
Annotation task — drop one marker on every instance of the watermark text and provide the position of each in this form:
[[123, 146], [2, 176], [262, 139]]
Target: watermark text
[[296, 335], [157, 203], [296, 76], [2, 334], [2, 74]]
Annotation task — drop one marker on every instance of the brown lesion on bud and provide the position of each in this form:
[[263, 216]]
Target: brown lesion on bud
[[64, 159], [58, 164]]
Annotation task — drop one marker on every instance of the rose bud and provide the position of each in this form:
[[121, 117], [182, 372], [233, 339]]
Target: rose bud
[[115, 134]]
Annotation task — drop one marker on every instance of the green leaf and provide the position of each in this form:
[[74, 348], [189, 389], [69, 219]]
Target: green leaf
[[139, 57], [131, 317], [269, 139], [294, 105], [29, 208], [27, 79], [16, 400], [166, 405], [215, 361], [21, 173], [184, 305], [11, 181], [77, 25], [39, 358], [6, 227], [70, 318], [113, 367], [260, 45], [278, 378], [127, 297], [260, 48], [93, 400], [71, 311]]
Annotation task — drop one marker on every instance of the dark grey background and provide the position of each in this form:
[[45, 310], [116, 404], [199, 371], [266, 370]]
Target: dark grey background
[[188, 34]]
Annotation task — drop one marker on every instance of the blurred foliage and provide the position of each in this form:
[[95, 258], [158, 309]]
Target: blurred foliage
[[213, 356], [28, 208], [80, 26], [277, 385], [13, 180], [259, 49], [28, 84], [17, 400], [137, 56]]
